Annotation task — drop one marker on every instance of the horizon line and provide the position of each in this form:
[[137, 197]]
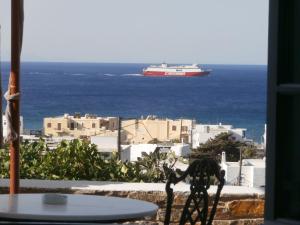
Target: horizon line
[[95, 62]]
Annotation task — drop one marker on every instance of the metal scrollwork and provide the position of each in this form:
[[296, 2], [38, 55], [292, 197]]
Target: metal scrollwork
[[200, 174]]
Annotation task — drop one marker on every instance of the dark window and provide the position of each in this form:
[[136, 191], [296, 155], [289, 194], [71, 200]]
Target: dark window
[[287, 149], [48, 125], [72, 126], [174, 128], [59, 126], [93, 125], [184, 128]]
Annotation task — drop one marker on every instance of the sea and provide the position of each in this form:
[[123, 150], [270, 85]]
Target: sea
[[231, 94]]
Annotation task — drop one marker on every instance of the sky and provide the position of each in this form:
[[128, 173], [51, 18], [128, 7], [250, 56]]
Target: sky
[[141, 31]]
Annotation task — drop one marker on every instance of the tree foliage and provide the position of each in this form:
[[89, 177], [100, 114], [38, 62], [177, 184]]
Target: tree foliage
[[79, 160], [224, 143], [155, 166], [154, 141]]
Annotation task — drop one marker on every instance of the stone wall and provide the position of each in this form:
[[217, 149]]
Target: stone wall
[[237, 205]]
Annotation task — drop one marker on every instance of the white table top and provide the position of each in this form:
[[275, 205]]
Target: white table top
[[78, 208]]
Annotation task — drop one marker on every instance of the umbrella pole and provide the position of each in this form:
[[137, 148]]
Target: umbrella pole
[[1, 114], [14, 88]]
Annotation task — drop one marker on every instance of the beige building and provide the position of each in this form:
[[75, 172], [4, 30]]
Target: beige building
[[141, 131], [79, 126]]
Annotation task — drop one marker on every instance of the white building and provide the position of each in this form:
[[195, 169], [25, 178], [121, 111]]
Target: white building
[[29, 138], [264, 142], [203, 132], [134, 151], [105, 143], [182, 150], [51, 142], [252, 173], [4, 123]]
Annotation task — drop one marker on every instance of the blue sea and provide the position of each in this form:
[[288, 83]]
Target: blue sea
[[231, 94]]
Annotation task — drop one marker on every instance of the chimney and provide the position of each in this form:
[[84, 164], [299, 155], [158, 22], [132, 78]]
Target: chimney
[[223, 160]]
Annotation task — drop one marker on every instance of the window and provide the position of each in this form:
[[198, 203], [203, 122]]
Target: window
[[283, 121], [49, 125], [184, 128], [88, 103], [72, 126]]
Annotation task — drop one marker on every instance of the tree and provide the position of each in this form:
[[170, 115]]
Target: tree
[[224, 143], [156, 166]]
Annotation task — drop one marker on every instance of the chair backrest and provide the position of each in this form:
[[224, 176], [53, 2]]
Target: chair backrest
[[200, 173]]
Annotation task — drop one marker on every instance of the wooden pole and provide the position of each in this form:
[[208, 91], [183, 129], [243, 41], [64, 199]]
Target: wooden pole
[[119, 136], [16, 29], [1, 114], [240, 169], [180, 135]]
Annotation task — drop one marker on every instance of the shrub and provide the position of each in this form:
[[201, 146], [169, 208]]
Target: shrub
[[79, 160]]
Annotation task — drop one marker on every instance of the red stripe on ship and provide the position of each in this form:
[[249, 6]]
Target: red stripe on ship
[[188, 74]]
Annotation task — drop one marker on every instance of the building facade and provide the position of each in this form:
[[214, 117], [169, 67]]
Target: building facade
[[4, 123], [79, 126], [143, 131]]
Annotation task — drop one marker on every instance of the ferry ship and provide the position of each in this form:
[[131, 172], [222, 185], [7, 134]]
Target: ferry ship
[[184, 70]]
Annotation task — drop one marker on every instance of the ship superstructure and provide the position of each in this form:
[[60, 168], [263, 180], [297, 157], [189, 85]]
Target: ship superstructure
[[165, 70]]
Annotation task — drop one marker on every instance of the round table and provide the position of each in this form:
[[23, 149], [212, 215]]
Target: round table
[[78, 208]]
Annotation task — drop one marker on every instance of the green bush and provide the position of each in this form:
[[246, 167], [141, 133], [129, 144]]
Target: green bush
[[4, 163], [79, 160]]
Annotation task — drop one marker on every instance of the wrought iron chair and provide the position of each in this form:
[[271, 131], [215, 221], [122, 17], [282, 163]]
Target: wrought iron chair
[[196, 206]]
